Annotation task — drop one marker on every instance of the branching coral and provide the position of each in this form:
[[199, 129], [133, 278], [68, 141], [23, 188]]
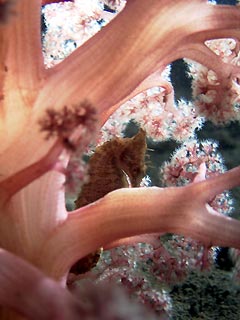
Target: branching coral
[[121, 60]]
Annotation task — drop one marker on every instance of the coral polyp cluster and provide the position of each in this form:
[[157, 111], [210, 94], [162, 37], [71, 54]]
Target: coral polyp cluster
[[62, 123]]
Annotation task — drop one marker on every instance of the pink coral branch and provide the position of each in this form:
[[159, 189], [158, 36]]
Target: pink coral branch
[[202, 54], [21, 179], [220, 22], [144, 238], [154, 80], [135, 211], [209, 188], [29, 292], [24, 63]]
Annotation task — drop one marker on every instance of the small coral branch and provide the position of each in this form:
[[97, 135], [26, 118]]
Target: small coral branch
[[216, 95], [209, 188], [21, 179], [75, 128], [154, 80]]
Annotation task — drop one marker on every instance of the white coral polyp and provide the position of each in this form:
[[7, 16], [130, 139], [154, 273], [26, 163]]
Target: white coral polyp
[[217, 99], [161, 122], [69, 25]]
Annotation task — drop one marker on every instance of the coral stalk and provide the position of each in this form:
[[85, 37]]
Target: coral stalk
[[21, 284]]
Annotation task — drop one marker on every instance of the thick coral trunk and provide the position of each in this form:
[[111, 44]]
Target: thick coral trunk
[[7, 314]]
